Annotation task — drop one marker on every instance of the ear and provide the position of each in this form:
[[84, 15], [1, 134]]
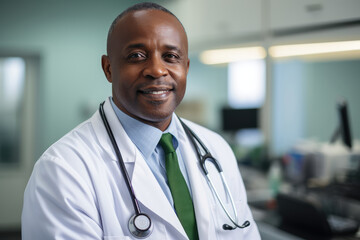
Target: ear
[[187, 66], [105, 63]]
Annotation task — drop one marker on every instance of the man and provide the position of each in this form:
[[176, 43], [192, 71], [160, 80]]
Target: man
[[78, 190]]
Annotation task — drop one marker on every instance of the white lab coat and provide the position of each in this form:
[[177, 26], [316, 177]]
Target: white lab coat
[[77, 191]]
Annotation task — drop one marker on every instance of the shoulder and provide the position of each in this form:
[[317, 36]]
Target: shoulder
[[73, 142], [77, 152], [70, 160], [61, 189]]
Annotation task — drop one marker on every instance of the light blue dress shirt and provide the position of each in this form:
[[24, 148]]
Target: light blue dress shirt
[[146, 138]]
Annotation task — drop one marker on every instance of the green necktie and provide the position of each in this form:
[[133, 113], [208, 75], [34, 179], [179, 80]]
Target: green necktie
[[179, 190]]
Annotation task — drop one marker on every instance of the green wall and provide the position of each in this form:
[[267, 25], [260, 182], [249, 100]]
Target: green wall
[[69, 37], [209, 83], [326, 83]]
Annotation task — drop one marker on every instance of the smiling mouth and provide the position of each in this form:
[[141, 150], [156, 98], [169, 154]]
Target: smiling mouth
[[156, 94], [159, 92]]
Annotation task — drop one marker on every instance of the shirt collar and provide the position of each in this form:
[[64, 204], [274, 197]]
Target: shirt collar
[[144, 136]]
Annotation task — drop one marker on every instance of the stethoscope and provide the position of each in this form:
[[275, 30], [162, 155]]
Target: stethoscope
[[140, 225]]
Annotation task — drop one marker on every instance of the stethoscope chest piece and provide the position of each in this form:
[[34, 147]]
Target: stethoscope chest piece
[[140, 225]]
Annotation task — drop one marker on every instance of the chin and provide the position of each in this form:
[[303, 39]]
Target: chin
[[157, 116], [159, 110]]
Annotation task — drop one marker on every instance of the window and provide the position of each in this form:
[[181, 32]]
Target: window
[[12, 77], [246, 90], [246, 84]]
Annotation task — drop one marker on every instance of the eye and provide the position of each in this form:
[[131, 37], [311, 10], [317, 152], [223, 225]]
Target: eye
[[171, 57], [136, 56]]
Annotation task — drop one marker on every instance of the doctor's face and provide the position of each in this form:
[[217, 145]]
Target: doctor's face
[[147, 65]]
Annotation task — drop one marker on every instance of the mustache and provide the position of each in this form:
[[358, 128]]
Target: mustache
[[157, 84]]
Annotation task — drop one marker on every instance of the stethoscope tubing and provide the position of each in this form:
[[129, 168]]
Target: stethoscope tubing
[[208, 157], [202, 158], [120, 160]]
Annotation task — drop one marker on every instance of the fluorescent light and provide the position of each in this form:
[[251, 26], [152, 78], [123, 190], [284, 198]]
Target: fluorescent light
[[313, 48], [246, 84], [228, 55]]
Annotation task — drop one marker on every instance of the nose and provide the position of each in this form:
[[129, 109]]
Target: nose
[[155, 68]]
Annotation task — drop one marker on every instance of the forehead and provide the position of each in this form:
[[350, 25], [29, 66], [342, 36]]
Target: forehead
[[148, 25]]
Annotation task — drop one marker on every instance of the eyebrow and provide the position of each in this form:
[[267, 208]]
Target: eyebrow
[[141, 45], [171, 47]]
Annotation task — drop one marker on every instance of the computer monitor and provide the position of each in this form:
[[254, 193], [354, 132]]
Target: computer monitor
[[343, 128], [237, 119]]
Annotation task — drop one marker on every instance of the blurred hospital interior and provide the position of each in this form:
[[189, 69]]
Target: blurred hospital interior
[[278, 79]]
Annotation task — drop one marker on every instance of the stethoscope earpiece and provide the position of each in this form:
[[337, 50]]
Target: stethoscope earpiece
[[228, 227], [140, 225], [246, 224]]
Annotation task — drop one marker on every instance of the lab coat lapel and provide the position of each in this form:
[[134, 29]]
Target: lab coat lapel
[[147, 189], [123, 141], [199, 187], [150, 194], [125, 145]]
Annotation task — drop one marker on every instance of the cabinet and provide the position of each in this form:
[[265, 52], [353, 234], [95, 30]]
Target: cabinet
[[213, 20], [229, 22], [294, 14]]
